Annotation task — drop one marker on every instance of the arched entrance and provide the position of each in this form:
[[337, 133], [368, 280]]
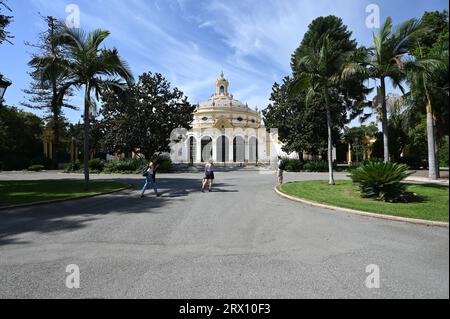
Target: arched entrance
[[222, 149], [207, 149], [253, 148], [239, 149]]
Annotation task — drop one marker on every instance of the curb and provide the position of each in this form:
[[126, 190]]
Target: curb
[[362, 213], [62, 200]]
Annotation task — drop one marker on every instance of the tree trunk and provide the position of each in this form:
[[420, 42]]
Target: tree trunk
[[56, 130], [436, 147], [330, 141], [384, 121], [55, 148], [87, 105], [431, 144]]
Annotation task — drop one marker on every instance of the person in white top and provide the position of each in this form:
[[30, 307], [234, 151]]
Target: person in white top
[[209, 176]]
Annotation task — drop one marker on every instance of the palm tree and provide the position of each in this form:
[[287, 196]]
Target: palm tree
[[90, 68], [421, 73], [322, 72], [387, 62]]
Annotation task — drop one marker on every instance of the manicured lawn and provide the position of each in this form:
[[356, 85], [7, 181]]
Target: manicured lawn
[[431, 203], [26, 192]]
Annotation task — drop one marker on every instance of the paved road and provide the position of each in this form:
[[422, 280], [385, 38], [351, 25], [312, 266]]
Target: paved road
[[241, 241]]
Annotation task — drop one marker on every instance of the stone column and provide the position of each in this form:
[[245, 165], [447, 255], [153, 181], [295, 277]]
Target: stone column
[[50, 156], [247, 150], [350, 155], [45, 148], [214, 150], [230, 149], [198, 154]]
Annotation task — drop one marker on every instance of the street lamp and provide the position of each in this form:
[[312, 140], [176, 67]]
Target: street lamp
[[4, 84]]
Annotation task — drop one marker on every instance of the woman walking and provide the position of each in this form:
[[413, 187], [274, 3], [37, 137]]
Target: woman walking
[[150, 178], [280, 171], [209, 176]]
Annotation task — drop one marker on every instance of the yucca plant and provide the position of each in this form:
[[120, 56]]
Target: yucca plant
[[382, 180]]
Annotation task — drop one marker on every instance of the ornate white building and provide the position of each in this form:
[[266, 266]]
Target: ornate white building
[[226, 131]]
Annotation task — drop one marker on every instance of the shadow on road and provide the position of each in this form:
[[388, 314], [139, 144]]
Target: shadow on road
[[76, 214]]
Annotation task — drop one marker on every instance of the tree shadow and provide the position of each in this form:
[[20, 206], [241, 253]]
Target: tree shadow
[[77, 214]]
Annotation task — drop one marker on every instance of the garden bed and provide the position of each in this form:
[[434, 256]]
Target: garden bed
[[431, 202]]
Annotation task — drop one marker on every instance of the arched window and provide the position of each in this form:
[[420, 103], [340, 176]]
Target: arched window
[[222, 90]]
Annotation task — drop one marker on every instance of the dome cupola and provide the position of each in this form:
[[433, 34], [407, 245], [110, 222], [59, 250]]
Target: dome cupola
[[222, 85]]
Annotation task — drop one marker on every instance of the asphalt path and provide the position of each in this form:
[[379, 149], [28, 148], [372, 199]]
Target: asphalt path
[[240, 241]]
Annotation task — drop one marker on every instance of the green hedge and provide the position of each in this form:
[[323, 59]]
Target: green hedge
[[36, 168], [73, 167], [316, 166], [295, 165], [133, 166]]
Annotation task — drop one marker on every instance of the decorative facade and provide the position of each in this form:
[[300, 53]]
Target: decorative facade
[[226, 131]]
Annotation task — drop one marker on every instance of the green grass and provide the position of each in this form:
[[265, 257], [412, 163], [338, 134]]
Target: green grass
[[431, 201], [27, 192]]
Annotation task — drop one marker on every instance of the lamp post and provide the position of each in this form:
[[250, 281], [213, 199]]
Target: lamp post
[[4, 84]]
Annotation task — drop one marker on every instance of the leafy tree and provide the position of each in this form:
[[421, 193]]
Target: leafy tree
[[20, 138], [142, 118], [321, 74], [50, 95], [300, 127], [89, 67], [5, 21], [336, 30], [436, 23]]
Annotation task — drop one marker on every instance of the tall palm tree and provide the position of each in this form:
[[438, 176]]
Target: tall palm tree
[[90, 68], [387, 62], [421, 73], [322, 72]]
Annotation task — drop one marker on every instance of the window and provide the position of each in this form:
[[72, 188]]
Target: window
[[205, 119], [222, 90]]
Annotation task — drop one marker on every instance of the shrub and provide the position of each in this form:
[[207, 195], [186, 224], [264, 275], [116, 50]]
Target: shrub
[[293, 165], [73, 167], [165, 165], [132, 166], [316, 166], [96, 164], [382, 181], [42, 160], [36, 168]]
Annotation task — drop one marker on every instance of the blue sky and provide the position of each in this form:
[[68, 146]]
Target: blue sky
[[191, 41]]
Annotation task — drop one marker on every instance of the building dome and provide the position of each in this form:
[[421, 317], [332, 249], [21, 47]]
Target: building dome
[[223, 108]]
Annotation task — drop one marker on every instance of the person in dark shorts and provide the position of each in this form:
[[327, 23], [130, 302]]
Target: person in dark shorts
[[209, 176]]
